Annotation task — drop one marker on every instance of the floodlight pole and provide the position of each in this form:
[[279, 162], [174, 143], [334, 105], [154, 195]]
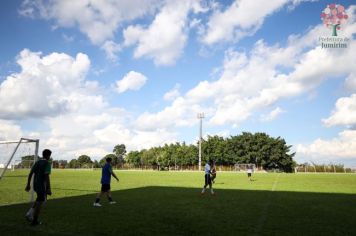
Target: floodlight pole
[[200, 117]]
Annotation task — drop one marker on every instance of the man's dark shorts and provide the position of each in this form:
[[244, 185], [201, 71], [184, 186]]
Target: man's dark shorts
[[207, 179], [105, 187], [41, 196]]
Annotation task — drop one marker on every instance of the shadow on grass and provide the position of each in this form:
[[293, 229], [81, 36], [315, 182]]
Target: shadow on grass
[[183, 211]]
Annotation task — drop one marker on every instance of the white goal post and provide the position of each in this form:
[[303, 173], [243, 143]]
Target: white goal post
[[11, 151]]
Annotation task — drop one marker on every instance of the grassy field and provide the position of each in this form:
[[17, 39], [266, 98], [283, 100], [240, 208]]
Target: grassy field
[[169, 203]]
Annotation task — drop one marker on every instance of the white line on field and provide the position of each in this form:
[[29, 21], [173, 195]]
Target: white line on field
[[275, 183], [264, 211]]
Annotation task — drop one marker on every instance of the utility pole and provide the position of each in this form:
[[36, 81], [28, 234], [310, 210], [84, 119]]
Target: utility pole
[[200, 117]]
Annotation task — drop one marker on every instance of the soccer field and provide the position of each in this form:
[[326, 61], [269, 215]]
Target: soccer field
[[169, 203]]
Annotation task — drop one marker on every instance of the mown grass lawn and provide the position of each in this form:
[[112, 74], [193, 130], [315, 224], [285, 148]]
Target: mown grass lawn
[[169, 203]]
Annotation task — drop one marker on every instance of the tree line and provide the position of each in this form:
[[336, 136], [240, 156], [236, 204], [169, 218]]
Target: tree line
[[258, 148]]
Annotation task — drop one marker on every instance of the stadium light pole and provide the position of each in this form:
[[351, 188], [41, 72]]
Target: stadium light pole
[[200, 117]]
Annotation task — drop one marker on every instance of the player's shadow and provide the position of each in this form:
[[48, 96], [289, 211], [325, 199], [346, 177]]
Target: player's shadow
[[184, 211]]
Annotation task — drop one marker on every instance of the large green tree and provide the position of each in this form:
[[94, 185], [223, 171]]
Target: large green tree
[[134, 158], [258, 148], [84, 160], [74, 164], [120, 152]]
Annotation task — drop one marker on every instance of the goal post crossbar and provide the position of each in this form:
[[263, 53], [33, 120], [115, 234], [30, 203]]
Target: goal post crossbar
[[22, 140]]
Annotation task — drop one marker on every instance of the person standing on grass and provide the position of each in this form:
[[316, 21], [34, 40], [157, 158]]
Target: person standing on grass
[[107, 172], [41, 184], [249, 172], [208, 178], [213, 172]]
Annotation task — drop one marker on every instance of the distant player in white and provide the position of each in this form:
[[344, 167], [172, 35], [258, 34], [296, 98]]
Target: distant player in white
[[207, 178]]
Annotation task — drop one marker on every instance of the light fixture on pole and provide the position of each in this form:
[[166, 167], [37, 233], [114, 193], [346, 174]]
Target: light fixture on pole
[[200, 117]]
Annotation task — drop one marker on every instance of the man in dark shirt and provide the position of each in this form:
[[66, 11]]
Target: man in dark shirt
[[105, 183], [213, 172], [41, 184]]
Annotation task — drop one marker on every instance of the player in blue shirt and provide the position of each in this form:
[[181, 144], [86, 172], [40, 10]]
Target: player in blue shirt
[[105, 183]]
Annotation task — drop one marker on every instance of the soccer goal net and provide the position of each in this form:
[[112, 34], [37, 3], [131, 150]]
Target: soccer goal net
[[244, 167], [18, 154]]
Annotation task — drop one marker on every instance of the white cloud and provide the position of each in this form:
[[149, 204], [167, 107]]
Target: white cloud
[[241, 18], [67, 38], [165, 38], [295, 3], [272, 115], [325, 151], [350, 82], [9, 130], [96, 134], [182, 112], [98, 20], [344, 112], [74, 118], [46, 86], [146, 139], [79, 132], [253, 81], [78, 118], [131, 81], [133, 139], [172, 94], [111, 49]]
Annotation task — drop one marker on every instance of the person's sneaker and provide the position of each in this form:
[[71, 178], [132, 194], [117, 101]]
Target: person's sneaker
[[28, 217], [112, 202], [97, 204], [34, 223]]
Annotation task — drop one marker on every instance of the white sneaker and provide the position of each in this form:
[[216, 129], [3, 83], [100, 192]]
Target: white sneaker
[[97, 204], [112, 202], [29, 217]]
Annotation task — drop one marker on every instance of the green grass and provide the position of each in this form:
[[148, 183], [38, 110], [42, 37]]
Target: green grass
[[169, 203]]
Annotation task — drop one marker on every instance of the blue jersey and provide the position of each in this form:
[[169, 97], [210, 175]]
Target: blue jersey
[[106, 174]]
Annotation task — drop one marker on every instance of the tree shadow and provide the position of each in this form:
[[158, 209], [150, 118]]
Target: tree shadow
[[184, 211]]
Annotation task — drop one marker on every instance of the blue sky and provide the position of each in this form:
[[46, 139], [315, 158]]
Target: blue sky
[[85, 76]]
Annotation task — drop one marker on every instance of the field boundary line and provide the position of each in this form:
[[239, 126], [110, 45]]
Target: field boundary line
[[275, 183], [264, 211]]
